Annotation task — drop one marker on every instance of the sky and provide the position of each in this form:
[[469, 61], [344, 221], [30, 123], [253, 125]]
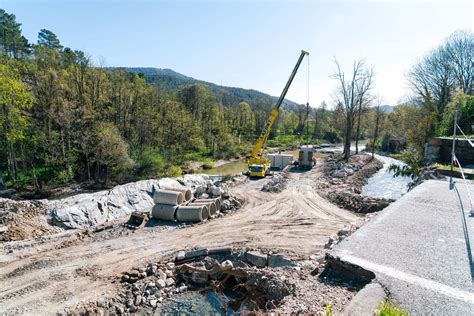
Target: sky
[[253, 44]]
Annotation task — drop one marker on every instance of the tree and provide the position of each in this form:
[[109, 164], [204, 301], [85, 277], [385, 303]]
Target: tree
[[12, 42], [14, 100], [448, 66], [350, 93], [111, 152], [378, 116], [48, 39]]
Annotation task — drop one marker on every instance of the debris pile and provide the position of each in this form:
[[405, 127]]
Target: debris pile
[[24, 219], [251, 281], [147, 287], [343, 183], [276, 184]]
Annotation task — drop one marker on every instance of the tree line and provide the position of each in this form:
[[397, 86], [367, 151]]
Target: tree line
[[441, 81], [65, 119]]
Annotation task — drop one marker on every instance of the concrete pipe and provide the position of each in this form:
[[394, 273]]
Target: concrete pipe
[[164, 212], [168, 197], [192, 213], [217, 202], [211, 206], [188, 195]]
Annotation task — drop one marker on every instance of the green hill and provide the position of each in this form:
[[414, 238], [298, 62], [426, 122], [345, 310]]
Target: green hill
[[172, 80]]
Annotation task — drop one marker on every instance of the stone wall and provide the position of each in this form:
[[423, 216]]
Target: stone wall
[[438, 149]]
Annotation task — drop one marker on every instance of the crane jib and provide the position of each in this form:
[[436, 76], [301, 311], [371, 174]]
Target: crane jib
[[259, 145]]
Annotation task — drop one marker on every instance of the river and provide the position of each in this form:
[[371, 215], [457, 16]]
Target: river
[[383, 184], [380, 185]]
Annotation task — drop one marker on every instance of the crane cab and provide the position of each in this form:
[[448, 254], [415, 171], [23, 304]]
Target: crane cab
[[258, 168]]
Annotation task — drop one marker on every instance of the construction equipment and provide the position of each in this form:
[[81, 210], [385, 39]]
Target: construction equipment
[[136, 220], [306, 160], [258, 165]]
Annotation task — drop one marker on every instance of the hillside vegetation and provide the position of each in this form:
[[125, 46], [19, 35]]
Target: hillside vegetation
[[64, 120], [172, 80]]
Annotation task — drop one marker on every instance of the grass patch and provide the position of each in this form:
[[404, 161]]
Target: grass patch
[[389, 309]]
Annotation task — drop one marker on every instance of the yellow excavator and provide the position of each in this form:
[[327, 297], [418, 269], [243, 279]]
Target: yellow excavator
[[259, 166]]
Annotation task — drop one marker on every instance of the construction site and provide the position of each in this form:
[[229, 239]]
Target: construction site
[[142, 191]]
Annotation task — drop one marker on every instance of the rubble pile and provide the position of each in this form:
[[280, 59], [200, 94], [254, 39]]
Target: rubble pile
[[147, 287], [276, 184], [253, 280], [23, 219], [343, 182], [211, 190]]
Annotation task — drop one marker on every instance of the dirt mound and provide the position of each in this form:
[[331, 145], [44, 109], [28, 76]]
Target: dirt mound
[[24, 219]]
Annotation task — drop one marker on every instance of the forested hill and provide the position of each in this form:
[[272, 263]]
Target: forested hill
[[172, 80]]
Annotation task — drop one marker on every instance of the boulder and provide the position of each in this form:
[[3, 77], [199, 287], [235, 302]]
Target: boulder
[[196, 180], [91, 209]]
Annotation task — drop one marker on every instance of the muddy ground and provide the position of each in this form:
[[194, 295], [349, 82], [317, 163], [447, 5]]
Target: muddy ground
[[48, 273]]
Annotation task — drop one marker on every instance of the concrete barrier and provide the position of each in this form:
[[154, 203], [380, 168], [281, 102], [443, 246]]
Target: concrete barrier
[[192, 213], [168, 197], [164, 212]]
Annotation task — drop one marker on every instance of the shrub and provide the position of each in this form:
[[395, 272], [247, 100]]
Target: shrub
[[151, 163], [389, 309], [174, 171]]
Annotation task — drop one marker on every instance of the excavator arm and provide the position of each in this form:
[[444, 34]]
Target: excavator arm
[[257, 151]]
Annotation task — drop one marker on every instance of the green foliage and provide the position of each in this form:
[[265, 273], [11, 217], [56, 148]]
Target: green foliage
[[283, 141], [389, 309], [151, 163], [414, 162], [328, 310], [465, 104], [174, 171]]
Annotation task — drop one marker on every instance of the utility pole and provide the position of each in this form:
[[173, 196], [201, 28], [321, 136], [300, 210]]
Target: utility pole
[[451, 183]]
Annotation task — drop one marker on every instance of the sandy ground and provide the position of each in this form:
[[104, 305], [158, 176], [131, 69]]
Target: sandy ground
[[45, 275]]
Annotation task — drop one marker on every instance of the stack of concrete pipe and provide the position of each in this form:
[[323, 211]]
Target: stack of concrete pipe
[[176, 204]]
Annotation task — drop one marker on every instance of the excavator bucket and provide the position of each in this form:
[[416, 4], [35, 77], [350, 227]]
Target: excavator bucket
[[136, 220]]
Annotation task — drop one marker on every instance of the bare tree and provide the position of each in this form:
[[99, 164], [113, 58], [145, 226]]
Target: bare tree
[[378, 116], [350, 93], [449, 66]]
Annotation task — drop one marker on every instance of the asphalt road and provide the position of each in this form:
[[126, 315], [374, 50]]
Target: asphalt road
[[419, 248]]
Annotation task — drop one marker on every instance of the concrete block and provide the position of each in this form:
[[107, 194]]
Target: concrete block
[[256, 258], [220, 251], [277, 261], [196, 253], [366, 301]]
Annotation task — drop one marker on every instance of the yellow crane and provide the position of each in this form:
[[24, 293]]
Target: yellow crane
[[257, 163]]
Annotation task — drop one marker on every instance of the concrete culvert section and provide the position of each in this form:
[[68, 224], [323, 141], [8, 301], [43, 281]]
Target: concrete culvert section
[[217, 202], [164, 212], [192, 213], [188, 194], [168, 197], [211, 205]]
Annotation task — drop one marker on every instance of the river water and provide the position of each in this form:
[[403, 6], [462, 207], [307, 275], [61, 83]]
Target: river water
[[383, 184], [380, 185]]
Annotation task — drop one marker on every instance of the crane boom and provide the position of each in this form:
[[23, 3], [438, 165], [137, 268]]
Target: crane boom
[[257, 151]]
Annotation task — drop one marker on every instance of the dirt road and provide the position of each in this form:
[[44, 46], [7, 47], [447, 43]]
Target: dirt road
[[46, 275]]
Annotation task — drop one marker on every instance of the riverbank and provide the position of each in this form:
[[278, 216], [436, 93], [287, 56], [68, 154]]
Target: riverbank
[[343, 182]]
